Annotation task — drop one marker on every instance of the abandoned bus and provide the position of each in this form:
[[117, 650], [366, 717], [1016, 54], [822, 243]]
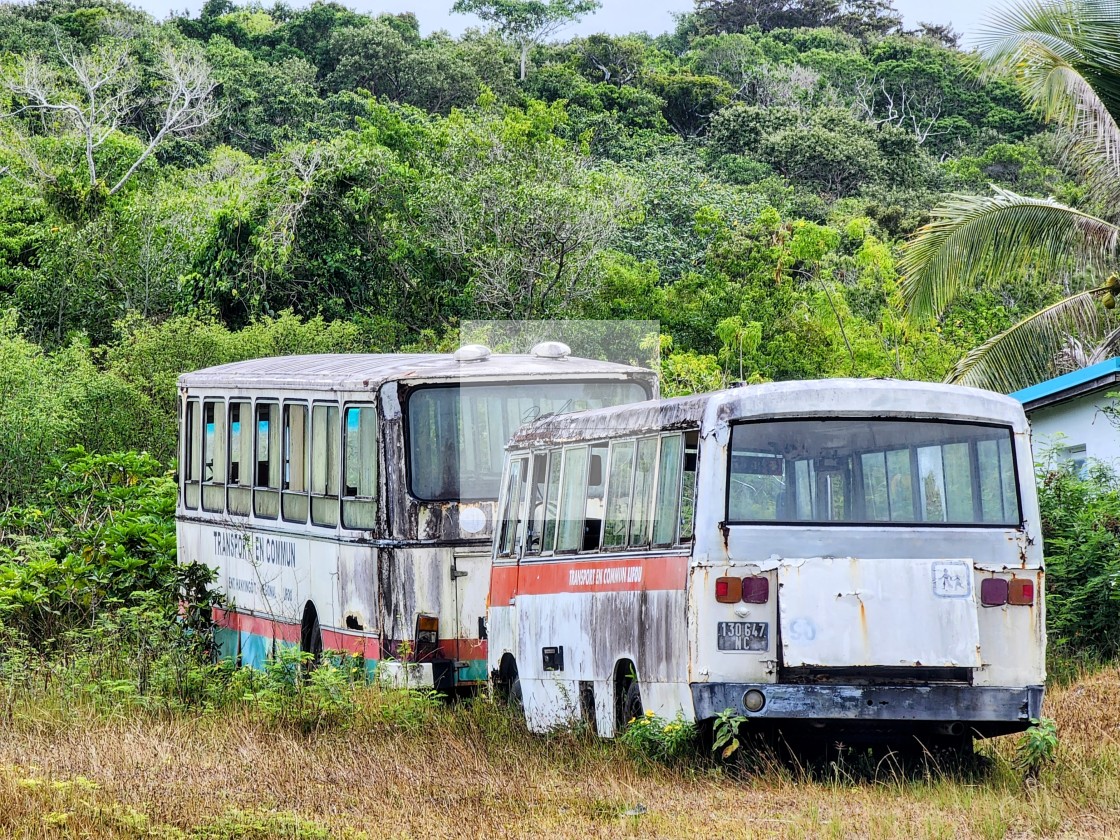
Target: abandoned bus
[[346, 502], [862, 556]]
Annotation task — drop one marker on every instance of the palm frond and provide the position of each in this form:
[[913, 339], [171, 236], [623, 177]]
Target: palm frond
[[973, 238], [1025, 353], [1063, 56]]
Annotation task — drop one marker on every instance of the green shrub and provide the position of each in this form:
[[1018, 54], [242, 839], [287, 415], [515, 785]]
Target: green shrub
[[660, 740], [99, 536], [1081, 528]]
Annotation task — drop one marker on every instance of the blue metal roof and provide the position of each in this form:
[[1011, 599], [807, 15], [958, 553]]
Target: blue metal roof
[[1067, 381]]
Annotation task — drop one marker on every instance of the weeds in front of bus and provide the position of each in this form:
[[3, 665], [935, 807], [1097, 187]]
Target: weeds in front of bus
[[290, 693], [1037, 747], [656, 739], [725, 732]]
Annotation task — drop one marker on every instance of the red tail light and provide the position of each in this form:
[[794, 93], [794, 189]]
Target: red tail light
[[729, 590], [993, 592], [1021, 592], [756, 590]]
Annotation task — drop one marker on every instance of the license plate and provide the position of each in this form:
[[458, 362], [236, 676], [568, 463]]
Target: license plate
[[746, 636]]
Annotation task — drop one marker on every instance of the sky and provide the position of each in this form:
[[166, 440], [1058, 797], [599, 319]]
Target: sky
[[617, 16]]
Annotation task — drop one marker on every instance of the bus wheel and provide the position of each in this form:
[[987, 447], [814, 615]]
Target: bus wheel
[[311, 635], [632, 704], [507, 685]]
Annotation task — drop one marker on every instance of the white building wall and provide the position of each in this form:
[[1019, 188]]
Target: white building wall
[[1066, 427]]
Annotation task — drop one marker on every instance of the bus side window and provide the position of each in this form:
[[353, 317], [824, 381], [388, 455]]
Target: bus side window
[[293, 500], [643, 493], [511, 519], [572, 515], [359, 503], [240, 457], [551, 501], [688, 485], [538, 489], [214, 456], [266, 495], [192, 455], [667, 504], [596, 504], [620, 489], [324, 465]]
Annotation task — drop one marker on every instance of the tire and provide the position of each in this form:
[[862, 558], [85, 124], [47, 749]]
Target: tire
[[312, 642], [516, 699], [632, 706]]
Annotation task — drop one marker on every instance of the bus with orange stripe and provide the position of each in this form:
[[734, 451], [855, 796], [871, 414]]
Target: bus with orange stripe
[[346, 502], [856, 557]]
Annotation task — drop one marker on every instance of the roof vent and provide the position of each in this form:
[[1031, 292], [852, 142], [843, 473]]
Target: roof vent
[[552, 350], [472, 353]]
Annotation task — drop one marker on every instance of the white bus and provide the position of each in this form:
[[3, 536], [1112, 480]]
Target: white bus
[[862, 556], [346, 502]]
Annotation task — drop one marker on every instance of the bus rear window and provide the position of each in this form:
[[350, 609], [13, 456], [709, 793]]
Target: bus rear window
[[872, 472]]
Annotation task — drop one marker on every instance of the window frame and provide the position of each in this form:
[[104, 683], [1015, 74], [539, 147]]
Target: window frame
[[217, 483], [285, 460], [312, 495], [262, 492], [242, 490], [344, 497], [192, 446]]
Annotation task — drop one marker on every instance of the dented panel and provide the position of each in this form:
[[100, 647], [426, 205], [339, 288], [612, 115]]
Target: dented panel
[[850, 612]]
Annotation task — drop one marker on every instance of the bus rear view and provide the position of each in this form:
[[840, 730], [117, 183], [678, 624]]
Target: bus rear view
[[859, 560], [879, 566]]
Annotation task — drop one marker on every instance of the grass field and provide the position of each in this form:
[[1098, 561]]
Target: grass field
[[401, 770]]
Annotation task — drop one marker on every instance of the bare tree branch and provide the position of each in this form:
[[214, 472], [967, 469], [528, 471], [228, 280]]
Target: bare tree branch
[[96, 93]]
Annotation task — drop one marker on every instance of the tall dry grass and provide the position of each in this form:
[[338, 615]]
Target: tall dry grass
[[470, 770]]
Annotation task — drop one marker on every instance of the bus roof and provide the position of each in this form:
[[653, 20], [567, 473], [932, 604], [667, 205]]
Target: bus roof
[[361, 371], [803, 398]]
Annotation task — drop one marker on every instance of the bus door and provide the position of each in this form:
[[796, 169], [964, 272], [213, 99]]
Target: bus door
[[470, 579]]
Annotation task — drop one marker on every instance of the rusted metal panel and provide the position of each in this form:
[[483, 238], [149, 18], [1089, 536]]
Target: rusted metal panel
[[947, 703], [850, 612], [357, 372]]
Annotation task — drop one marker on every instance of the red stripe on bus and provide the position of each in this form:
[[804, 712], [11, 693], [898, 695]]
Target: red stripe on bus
[[367, 646], [465, 649], [581, 574], [258, 626]]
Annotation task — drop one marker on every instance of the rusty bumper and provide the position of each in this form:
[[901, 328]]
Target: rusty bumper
[[933, 703]]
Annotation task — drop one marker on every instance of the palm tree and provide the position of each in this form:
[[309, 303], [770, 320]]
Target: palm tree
[[1065, 57]]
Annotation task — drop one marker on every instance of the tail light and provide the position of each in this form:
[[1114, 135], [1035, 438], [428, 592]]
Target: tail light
[[993, 592], [1021, 592], [756, 589], [729, 590]]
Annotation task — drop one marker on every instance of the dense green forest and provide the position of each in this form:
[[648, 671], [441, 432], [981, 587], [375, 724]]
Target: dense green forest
[[333, 180]]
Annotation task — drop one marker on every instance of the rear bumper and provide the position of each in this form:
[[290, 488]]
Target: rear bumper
[[864, 703]]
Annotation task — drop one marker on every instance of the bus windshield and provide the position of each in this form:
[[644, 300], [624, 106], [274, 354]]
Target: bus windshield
[[457, 434], [872, 471]]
